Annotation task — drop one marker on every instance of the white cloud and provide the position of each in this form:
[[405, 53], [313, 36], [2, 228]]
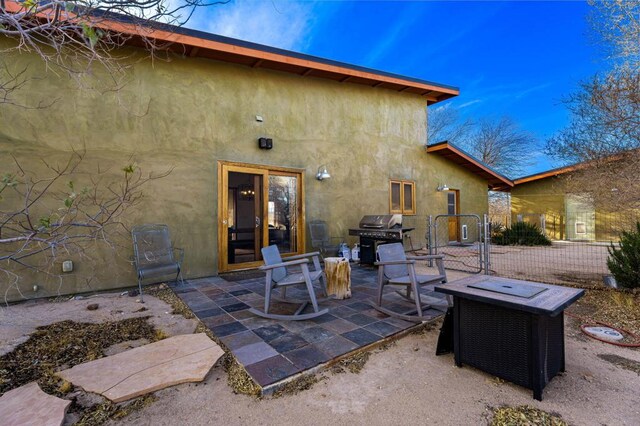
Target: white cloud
[[282, 24], [469, 103]]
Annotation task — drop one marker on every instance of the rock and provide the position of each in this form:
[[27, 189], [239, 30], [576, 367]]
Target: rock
[[29, 405], [120, 377], [92, 307]]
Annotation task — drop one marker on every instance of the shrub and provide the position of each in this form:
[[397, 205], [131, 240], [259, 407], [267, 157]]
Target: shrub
[[624, 262], [523, 234]]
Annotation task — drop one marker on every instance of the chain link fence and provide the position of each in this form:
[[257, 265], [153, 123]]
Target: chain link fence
[[537, 247]]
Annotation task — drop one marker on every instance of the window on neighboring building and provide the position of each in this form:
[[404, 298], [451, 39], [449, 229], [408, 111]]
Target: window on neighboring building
[[402, 197]]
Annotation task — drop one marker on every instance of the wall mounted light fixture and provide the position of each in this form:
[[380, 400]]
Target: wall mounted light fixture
[[442, 187], [322, 173]]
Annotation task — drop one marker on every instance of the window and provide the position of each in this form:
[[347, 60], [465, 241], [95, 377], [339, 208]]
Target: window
[[402, 197]]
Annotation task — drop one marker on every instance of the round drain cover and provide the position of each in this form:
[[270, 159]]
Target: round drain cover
[[604, 333]]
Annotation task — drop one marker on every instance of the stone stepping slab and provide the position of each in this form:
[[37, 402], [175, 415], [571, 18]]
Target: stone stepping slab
[[29, 405], [178, 359]]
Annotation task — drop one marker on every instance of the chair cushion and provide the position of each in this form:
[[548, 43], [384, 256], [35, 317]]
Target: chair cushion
[[422, 279], [159, 270]]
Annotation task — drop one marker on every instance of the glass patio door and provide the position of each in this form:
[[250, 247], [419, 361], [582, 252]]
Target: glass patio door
[[258, 206]]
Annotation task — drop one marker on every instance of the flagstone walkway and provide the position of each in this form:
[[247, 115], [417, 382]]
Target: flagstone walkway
[[273, 351]]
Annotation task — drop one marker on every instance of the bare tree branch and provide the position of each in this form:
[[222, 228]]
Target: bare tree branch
[[49, 217], [73, 35]]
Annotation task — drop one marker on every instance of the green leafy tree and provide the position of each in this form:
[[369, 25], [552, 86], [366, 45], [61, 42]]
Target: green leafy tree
[[624, 261]]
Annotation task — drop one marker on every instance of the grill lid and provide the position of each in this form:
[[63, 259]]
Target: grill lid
[[382, 221]]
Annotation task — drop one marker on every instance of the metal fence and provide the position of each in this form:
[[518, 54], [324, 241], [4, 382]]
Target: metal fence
[[566, 249]]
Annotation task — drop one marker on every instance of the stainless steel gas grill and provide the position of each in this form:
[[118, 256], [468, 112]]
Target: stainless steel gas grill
[[374, 230]]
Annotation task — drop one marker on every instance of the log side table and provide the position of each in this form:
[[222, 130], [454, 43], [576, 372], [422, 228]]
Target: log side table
[[338, 273], [509, 328]]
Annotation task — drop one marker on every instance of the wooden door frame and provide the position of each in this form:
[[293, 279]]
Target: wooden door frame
[[224, 167], [457, 211]]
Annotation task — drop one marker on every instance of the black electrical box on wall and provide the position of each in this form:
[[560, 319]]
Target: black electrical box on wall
[[265, 143]]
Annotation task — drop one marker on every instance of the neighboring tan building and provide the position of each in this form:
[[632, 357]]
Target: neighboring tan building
[[201, 114], [543, 199]]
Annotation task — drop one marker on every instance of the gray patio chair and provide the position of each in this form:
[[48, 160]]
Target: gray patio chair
[[278, 276], [154, 254], [395, 268], [320, 239]]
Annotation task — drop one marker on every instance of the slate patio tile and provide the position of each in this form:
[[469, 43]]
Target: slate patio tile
[[242, 315], [316, 334], [202, 305], [271, 370], [400, 323], [336, 346], [307, 357], [239, 292], [288, 342], [298, 326], [255, 352], [376, 314], [234, 287], [271, 332], [238, 340], [342, 312], [361, 319], [235, 307], [209, 312], [183, 289], [340, 326], [194, 296], [382, 328], [361, 337], [359, 306], [228, 329], [218, 320], [223, 298], [251, 297], [258, 322], [323, 319], [211, 291]]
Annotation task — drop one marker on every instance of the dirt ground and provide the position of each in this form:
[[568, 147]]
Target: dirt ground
[[408, 384], [405, 383]]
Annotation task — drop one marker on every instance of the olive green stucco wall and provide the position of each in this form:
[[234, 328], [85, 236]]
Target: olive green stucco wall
[[188, 113]]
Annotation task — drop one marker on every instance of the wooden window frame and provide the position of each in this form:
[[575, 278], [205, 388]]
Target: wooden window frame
[[402, 210]]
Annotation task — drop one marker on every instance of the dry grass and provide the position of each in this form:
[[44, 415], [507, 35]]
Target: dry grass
[[524, 415], [620, 309], [237, 377], [64, 344]]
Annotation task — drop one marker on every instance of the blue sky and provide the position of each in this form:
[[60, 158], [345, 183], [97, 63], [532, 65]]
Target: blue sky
[[508, 58]]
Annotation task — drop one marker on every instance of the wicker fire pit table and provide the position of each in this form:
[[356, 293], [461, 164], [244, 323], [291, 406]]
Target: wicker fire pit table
[[509, 328]]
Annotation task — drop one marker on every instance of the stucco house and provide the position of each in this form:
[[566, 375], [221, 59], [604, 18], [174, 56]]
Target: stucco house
[[545, 200], [205, 110]]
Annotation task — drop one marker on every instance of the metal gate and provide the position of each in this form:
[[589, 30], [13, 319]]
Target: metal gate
[[460, 237]]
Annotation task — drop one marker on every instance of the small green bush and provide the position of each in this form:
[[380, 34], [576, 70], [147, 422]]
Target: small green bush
[[624, 262], [522, 234]]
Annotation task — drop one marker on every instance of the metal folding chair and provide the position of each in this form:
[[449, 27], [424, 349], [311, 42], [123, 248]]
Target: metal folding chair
[[320, 239], [154, 254]]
